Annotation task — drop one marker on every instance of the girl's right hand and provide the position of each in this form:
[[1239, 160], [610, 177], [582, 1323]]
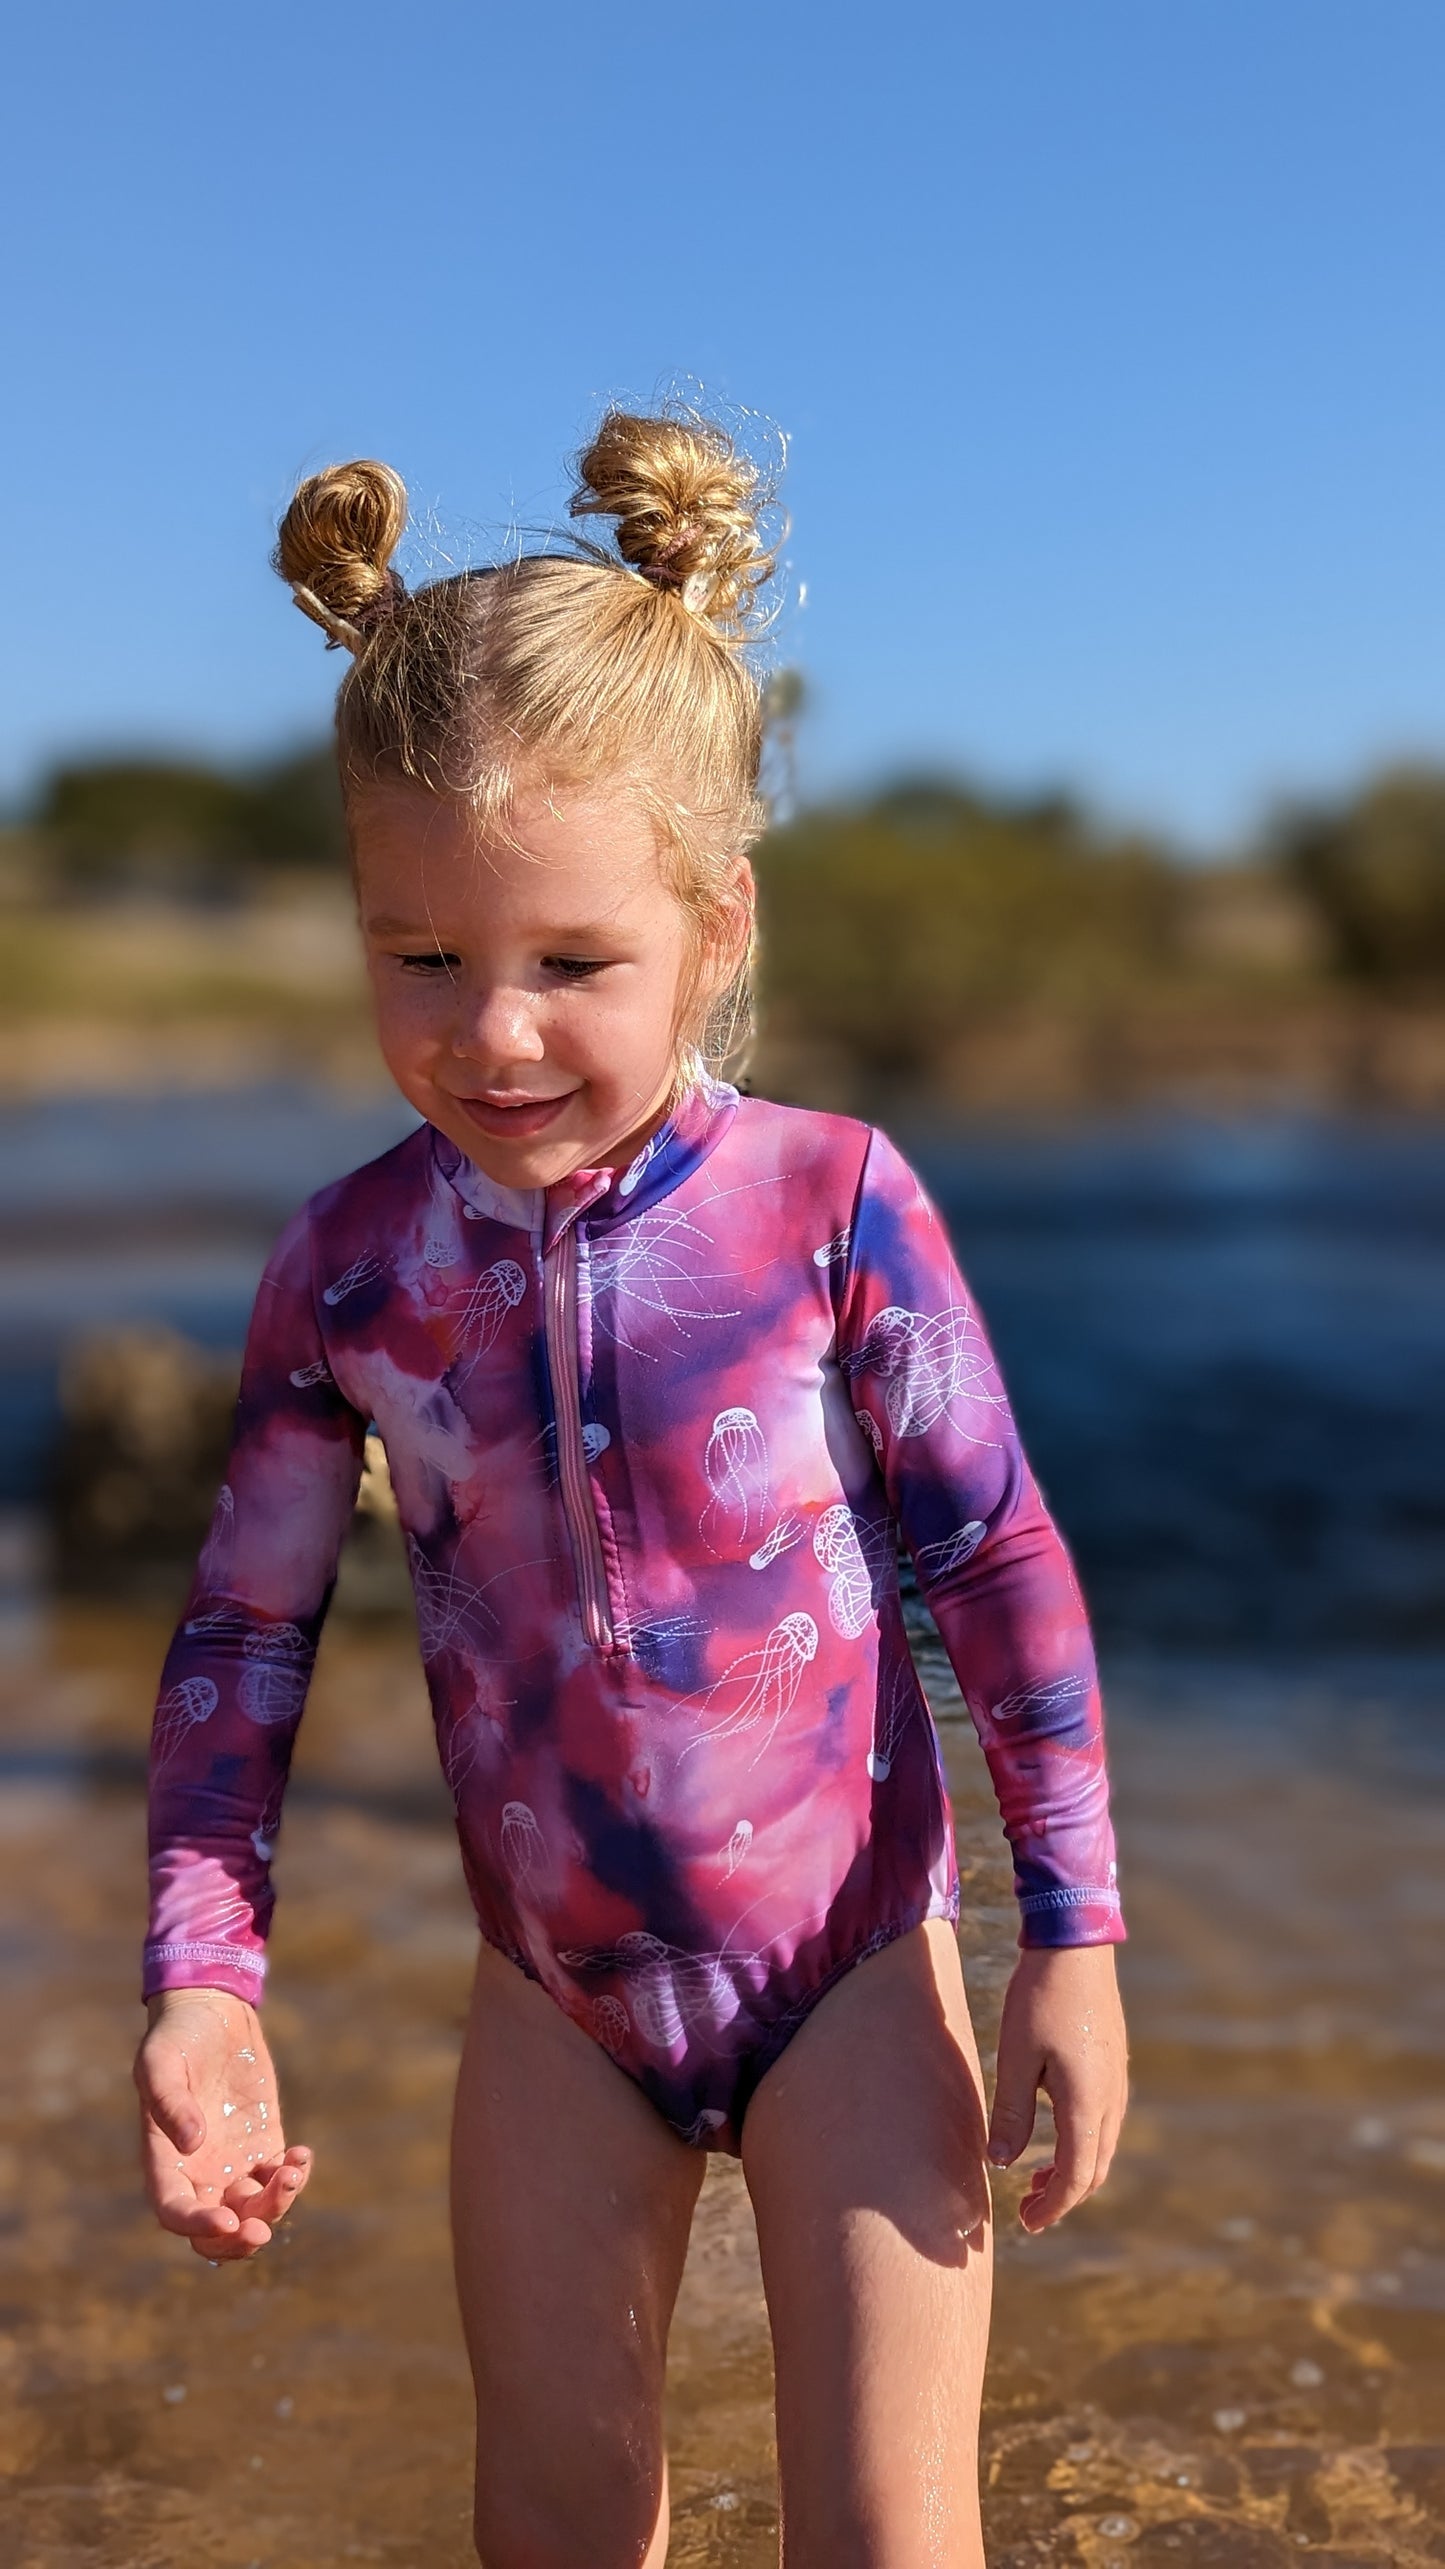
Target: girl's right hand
[[217, 2167]]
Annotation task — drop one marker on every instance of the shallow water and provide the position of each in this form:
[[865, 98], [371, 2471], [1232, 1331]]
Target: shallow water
[[1233, 2354]]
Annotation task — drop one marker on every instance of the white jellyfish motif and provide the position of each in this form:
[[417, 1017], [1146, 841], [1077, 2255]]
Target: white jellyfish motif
[[711, 2119], [735, 1468], [895, 1707], [468, 1741], [935, 1560], [871, 1430], [1047, 1695], [450, 1610], [859, 1556], [737, 1847], [524, 1848], [834, 1252], [362, 1271], [759, 1686], [669, 1989], [485, 1305], [305, 1377], [271, 1691], [610, 2023], [439, 1253], [788, 1531], [214, 1566], [654, 1267], [180, 1708], [595, 1439], [931, 1368]]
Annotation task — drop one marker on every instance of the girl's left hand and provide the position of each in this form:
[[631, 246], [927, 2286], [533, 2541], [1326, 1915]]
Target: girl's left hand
[[1062, 2030]]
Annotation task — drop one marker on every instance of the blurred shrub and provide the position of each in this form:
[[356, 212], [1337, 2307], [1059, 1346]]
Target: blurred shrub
[[1374, 873], [187, 830], [884, 925]]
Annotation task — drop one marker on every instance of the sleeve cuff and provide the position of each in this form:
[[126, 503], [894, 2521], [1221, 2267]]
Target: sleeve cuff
[[200, 1966]]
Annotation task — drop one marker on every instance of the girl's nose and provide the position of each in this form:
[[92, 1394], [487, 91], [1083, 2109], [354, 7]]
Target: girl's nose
[[496, 1027]]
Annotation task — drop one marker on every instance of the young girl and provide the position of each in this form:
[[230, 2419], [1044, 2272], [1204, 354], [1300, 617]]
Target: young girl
[[661, 1371]]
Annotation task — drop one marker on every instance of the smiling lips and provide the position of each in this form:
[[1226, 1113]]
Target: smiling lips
[[526, 1116]]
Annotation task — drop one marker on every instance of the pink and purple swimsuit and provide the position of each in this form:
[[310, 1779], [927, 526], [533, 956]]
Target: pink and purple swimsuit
[[653, 1434]]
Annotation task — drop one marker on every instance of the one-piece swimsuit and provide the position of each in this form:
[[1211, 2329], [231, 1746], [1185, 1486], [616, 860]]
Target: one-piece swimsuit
[[656, 1434]]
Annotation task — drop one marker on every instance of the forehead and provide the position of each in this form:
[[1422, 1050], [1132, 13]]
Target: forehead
[[562, 851]]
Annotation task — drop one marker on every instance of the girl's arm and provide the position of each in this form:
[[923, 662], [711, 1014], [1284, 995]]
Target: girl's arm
[[992, 1566], [998, 1581], [231, 1695], [236, 1675]]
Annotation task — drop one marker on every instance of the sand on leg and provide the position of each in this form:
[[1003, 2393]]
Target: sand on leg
[[863, 2148], [571, 2205]]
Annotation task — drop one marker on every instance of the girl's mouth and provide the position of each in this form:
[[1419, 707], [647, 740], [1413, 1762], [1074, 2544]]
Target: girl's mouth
[[515, 1122]]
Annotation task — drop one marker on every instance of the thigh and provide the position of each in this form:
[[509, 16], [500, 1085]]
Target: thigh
[[864, 2154], [571, 2206]]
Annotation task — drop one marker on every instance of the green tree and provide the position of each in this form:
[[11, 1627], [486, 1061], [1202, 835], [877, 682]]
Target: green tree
[[1374, 873]]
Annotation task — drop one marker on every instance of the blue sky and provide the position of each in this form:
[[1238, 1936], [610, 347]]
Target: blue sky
[[1107, 337]]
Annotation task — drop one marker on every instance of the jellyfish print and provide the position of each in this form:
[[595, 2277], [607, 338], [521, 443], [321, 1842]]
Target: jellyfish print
[[896, 1704], [450, 1610], [467, 1742], [304, 1378], [485, 1305], [524, 1849], [664, 1646], [652, 1268], [759, 1686], [439, 1253], [633, 1174], [936, 1560], [859, 1556], [271, 1691], [834, 1252], [276, 1641], [595, 1439], [788, 1531], [180, 1708], [737, 1847], [1035, 1703], [871, 1430], [695, 2133], [610, 2024], [735, 1468], [932, 1368], [362, 1271]]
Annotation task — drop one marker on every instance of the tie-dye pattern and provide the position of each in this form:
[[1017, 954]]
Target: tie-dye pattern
[[653, 1436]]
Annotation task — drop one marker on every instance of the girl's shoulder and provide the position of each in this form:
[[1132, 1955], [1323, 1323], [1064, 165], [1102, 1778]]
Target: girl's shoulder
[[376, 1194], [832, 1148]]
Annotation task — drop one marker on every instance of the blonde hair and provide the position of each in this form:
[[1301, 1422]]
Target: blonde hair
[[569, 666]]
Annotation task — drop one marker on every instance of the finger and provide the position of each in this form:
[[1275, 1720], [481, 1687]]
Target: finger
[[245, 2241], [277, 2183], [178, 2207], [1054, 2190], [162, 2074], [1015, 2107]]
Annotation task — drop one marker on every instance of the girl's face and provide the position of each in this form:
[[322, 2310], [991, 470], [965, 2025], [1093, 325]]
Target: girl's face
[[525, 1002]]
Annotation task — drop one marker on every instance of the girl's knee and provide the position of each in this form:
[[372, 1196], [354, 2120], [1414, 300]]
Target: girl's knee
[[617, 2520]]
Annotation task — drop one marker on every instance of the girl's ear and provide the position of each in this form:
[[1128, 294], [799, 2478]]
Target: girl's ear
[[739, 913]]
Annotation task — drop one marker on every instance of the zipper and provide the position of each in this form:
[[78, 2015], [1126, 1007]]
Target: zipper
[[560, 1314]]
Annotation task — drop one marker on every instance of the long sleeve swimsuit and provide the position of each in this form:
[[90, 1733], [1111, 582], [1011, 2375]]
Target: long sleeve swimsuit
[[653, 1434]]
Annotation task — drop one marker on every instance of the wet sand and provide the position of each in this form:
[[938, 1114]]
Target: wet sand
[[1232, 2356]]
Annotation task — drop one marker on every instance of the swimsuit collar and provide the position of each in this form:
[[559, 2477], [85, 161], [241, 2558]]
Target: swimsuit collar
[[698, 1120]]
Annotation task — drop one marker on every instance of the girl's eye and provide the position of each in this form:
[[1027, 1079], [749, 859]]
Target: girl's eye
[[574, 967], [429, 963]]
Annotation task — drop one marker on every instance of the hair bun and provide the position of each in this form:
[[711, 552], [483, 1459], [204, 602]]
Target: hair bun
[[686, 505], [335, 543]]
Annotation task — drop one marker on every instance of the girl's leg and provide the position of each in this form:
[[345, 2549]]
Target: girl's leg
[[571, 2206], [864, 2154]]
